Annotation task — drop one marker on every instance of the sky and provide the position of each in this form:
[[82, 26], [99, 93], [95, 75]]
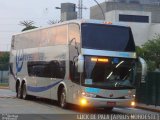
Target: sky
[[39, 11]]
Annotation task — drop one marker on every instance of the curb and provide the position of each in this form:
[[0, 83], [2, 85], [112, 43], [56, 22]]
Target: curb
[[147, 108], [2, 87], [7, 97]]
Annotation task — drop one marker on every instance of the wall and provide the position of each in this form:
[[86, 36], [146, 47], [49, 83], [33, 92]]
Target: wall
[[155, 29], [140, 1], [141, 31], [96, 12]]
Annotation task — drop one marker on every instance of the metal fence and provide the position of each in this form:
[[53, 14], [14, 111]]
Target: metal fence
[[149, 92], [4, 76]]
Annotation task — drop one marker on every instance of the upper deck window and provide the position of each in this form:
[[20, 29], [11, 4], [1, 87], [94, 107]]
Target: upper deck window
[[107, 37]]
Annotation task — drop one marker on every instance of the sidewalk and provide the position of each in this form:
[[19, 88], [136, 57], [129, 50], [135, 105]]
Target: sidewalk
[[6, 93], [4, 87], [148, 107]]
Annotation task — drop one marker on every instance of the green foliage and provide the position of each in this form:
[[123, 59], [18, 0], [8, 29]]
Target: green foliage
[[150, 51], [28, 25], [29, 28], [4, 57], [140, 51], [51, 22], [4, 60], [4, 84]]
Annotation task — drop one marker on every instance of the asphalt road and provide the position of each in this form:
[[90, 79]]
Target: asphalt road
[[42, 109]]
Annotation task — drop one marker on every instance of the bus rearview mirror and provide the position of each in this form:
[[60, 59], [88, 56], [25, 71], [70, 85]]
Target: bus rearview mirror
[[80, 63], [143, 69]]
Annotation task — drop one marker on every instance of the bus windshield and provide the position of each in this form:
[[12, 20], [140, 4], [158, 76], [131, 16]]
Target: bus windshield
[[107, 37], [109, 72]]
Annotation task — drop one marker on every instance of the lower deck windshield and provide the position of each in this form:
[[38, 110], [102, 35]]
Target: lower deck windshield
[[109, 72]]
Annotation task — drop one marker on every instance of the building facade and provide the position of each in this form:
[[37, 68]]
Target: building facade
[[68, 11], [96, 12], [144, 19], [137, 1]]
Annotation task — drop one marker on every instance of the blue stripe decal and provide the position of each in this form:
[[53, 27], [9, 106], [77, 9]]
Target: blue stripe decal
[[43, 88]]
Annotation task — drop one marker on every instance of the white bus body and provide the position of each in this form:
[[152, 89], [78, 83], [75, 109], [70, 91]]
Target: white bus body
[[58, 63]]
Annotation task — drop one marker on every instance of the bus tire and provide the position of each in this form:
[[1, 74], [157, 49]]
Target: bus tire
[[24, 92], [19, 93], [62, 98]]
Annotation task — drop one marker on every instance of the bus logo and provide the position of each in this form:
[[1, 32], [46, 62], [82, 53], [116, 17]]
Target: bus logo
[[19, 60]]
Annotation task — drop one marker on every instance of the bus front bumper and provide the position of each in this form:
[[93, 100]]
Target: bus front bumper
[[102, 102]]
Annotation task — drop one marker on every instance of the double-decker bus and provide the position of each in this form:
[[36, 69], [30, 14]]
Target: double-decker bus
[[89, 63]]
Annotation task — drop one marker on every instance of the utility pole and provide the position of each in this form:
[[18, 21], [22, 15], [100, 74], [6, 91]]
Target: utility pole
[[80, 4], [80, 8]]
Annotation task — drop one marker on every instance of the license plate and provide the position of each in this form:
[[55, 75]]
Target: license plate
[[111, 103]]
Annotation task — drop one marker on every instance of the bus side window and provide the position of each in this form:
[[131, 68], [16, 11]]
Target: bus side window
[[74, 74], [74, 40], [59, 69], [50, 69]]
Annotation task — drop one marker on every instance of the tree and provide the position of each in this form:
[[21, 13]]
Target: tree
[[140, 51], [4, 60], [28, 25], [150, 51], [51, 22]]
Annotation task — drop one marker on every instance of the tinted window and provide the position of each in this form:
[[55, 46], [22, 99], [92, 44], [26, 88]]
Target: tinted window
[[52, 69], [74, 74], [107, 37], [134, 18]]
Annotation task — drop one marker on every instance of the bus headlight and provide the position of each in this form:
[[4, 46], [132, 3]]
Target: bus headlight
[[85, 94], [133, 104], [83, 101]]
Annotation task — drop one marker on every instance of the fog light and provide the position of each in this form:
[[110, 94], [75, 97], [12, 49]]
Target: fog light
[[133, 104], [83, 102]]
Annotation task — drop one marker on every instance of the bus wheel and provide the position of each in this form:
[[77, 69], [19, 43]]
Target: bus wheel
[[24, 92], [19, 93], [62, 100]]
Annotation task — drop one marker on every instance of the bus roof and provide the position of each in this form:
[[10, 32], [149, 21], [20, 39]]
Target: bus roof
[[79, 21]]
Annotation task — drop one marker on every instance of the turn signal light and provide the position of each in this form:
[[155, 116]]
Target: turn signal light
[[108, 23], [94, 59]]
